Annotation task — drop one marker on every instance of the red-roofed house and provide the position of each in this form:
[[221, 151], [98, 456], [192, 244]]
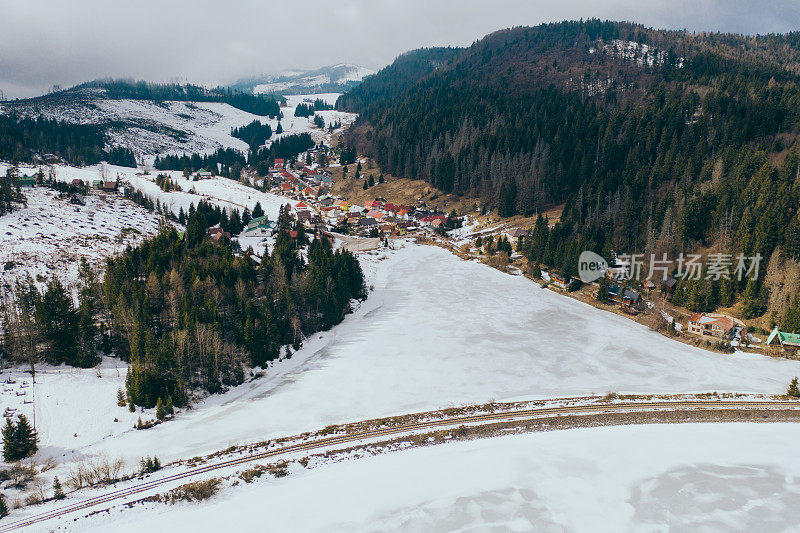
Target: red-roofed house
[[301, 206], [713, 324]]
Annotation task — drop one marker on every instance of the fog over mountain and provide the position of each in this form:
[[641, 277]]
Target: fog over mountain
[[45, 43]]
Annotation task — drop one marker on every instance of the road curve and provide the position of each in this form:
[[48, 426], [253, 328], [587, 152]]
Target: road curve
[[410, 428]]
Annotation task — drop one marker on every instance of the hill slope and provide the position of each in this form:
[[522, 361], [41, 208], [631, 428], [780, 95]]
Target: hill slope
[[332, 78], [656, 141]]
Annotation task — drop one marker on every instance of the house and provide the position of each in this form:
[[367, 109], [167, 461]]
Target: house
[[26, 181], [285, 186], [217, 233], [77, 199], [515, 234], [97, 184], [76, 183], [204, 175], [559, 280], [310, 192], [668, 284], [109, 186], [279, 162], [711, 325], [260, 227], [377, 215], [625, 296], [786, 340], [301, 206], [367, 222]]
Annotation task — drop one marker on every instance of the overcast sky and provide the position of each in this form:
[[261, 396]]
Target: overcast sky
[[64, 42]]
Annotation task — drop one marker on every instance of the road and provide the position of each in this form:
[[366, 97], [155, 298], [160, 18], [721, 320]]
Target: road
[[396, 427]]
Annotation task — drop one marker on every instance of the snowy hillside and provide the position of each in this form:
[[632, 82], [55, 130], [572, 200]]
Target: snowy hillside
[[332, 78], [50, 235], [151, 128]]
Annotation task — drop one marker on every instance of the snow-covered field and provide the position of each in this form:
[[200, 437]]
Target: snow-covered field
[[49, 236], [437, 332], [693, 477], [74, 406], [226, 193]]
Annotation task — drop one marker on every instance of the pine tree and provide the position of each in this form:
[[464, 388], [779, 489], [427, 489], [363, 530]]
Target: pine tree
[[371, 181], [26, 437], [160, 411], [258, 211], [169, 409], [279, 129], [366, 185], [602, 293], [794, 391], [58, 492], [10, 446], [3, 506], [121, 398]]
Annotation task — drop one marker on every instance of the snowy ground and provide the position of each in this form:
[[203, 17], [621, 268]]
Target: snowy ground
[[74, 406], [50, 235], [694, 477], [438, 332], [224, 192]]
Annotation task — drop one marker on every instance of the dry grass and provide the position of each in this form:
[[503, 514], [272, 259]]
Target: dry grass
[[195, 491]]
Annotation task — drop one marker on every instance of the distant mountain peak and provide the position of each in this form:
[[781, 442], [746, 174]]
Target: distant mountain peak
[[339, 77]]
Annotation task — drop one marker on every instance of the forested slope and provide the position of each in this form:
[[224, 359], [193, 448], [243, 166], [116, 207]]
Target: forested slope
[[655, 141]]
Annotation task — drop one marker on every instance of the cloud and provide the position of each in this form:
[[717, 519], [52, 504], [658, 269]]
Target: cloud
[[53, 42]]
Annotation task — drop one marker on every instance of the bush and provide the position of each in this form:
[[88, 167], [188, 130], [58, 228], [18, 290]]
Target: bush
[[196, 491]]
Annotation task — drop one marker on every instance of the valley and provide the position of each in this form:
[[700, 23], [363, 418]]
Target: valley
[[341, 299]]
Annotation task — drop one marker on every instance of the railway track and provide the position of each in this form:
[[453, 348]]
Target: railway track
[[399, 429]]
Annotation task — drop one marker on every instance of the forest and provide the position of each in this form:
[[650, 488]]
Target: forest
[[186, 311], [258, 104], [254, 134], [10, 193], [229, 162], [683, 145]]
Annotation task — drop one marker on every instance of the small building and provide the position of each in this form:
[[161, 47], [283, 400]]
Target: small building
[[204, 175], [786, 340], [712, 325], [668, 284], [515, 234], [26, 181], [77, 199], [625, 296], [97, 184], [77, 183], [260, 227], [109, 186]]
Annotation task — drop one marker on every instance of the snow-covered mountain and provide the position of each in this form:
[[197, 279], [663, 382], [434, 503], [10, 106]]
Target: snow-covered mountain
[[151, 127], [332, 78]]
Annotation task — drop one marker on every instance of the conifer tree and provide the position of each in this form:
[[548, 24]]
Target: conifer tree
[[794, 391], [58, 492], [26, 437], [10, 447], [160, 411], [3, 506]]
